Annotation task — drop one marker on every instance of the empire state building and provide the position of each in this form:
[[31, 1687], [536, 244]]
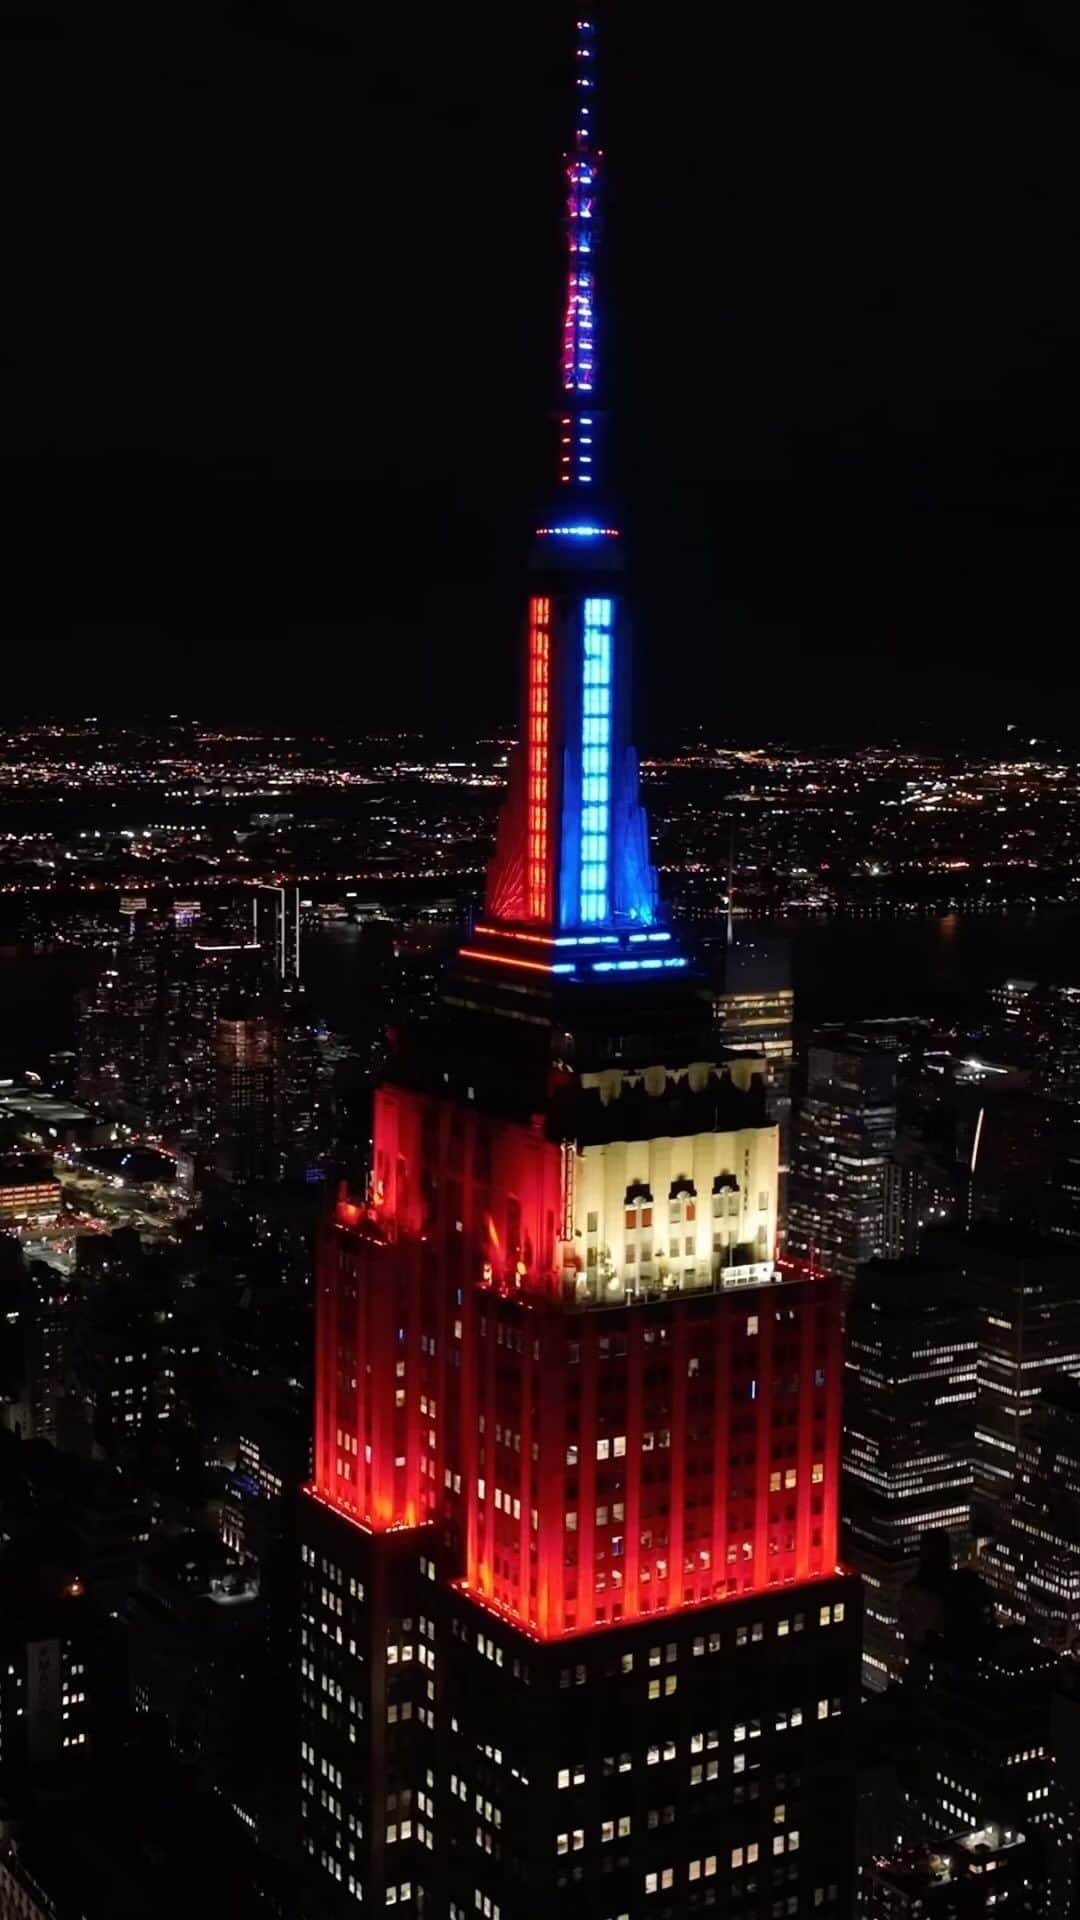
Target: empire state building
[[574, 1636]]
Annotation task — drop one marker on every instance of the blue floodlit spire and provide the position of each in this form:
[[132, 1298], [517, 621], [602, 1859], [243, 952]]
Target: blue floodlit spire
[[572, 868], [578, 436]]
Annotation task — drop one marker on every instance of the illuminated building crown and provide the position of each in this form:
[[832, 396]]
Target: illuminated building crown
[[572, 866]]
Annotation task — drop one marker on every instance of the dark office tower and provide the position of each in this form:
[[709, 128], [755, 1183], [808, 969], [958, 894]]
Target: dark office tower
[[908, 1414], [1029, 1340], [754, 1010], [228, 968], [1058, 1042], [1040, 1023], [305, 1117], [1063, 1197], [1064, 1851], [45, 1319], [247, 1144], [843, 1142], [1033, 1562], [754, 1007], [982, 1871], [574, 1639], [259, 1513], [120, 1029], [980, 1704], [137, 1039]]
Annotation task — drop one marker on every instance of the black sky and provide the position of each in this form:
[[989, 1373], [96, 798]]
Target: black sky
[[279, 298]]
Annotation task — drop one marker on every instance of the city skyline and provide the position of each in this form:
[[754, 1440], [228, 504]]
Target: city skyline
[[539, 1260]]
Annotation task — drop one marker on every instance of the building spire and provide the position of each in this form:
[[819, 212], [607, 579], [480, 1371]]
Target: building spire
[[571, 867], [578, 440]]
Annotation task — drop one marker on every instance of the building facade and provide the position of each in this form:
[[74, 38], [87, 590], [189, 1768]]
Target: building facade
[[843, 1142], [754, 1010], [909, 1403], [1029, 1340], [975, 1872], [1033, 1560]]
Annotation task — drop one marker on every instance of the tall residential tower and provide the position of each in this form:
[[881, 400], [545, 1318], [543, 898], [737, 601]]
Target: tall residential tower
[[574, 1638]]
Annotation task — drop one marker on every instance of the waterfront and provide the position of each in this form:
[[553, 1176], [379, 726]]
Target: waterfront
[[843, 967]]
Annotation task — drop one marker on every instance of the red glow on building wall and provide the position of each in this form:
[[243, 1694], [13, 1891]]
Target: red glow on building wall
[[501, 960], [597, 1465], [458, 1199], [631, 1463], [537, 878]]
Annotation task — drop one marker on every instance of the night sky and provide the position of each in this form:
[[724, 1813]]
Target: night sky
[[277, 339]]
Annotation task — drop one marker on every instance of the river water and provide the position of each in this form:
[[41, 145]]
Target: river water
[[853, 967], [857, 967]]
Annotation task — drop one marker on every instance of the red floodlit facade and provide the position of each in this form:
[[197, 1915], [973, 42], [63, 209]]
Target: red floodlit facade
[[600, 1465], [681, 1457], [456, 1200]]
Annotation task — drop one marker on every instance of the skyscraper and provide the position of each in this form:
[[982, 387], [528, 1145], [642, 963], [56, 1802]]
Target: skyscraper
[[840, 1171], [908, 1417], [574, 1638], [1033, 1563], [1029, 1339], [246, 1110], [754, 1010]]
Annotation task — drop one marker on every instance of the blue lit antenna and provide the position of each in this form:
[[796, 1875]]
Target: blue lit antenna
[[578, 440]]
